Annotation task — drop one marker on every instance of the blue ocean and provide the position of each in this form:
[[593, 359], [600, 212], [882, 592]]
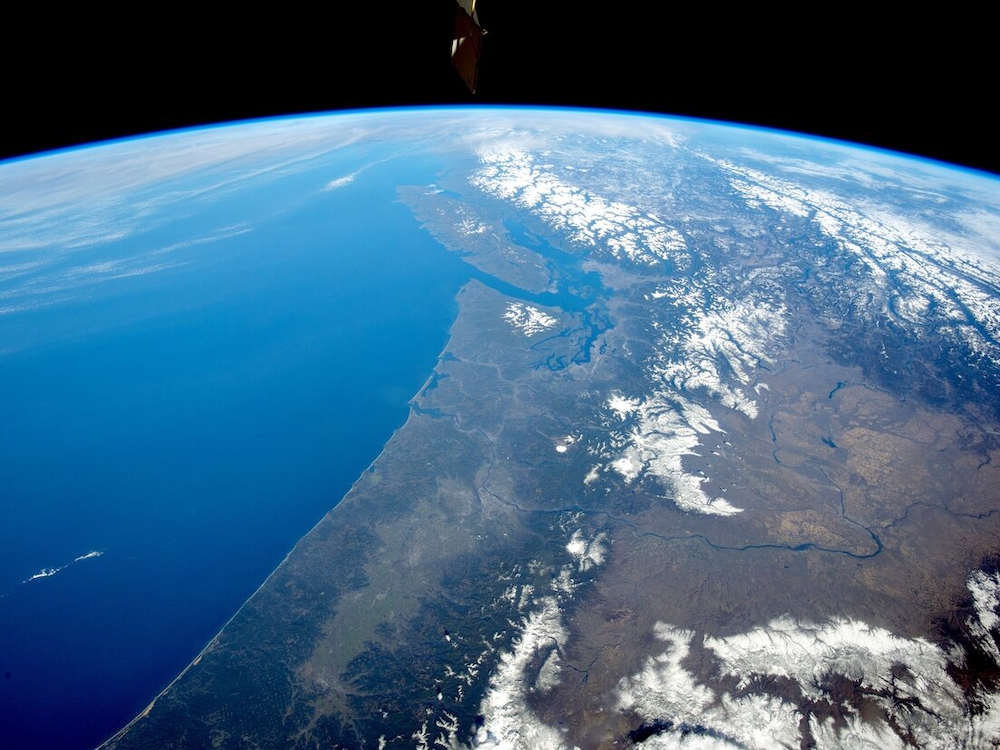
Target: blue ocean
[[168, 435]]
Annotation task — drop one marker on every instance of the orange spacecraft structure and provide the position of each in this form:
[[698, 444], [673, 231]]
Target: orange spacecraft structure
[[467, 43]]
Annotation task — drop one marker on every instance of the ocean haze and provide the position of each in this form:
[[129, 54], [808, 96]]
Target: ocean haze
[[192, 422]]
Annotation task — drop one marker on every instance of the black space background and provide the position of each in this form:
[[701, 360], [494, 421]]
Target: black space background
[[917, 84]]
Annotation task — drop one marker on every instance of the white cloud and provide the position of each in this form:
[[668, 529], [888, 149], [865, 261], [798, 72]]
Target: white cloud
[[48, 572], [339, 182]]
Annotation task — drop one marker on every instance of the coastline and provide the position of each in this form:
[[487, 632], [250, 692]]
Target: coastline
[[411, 413]]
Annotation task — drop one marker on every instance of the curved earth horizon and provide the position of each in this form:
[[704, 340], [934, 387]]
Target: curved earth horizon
[[498, 428]]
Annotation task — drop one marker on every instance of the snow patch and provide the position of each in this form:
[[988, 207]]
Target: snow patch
[[528, 319], [902, 684], [926, 272], [614, 229], [622, 406], [588, 554], [985, 590], [667, 430], [548, 675], [726, 342], [510, 724]]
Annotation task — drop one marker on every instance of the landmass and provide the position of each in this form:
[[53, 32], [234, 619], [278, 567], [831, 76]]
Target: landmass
[[668, 478]]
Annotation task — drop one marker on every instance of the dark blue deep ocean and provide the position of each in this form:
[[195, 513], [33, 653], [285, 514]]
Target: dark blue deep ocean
[[193, 423]]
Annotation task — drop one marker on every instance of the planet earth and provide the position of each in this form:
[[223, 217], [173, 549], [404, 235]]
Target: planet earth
[[498, 428]]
